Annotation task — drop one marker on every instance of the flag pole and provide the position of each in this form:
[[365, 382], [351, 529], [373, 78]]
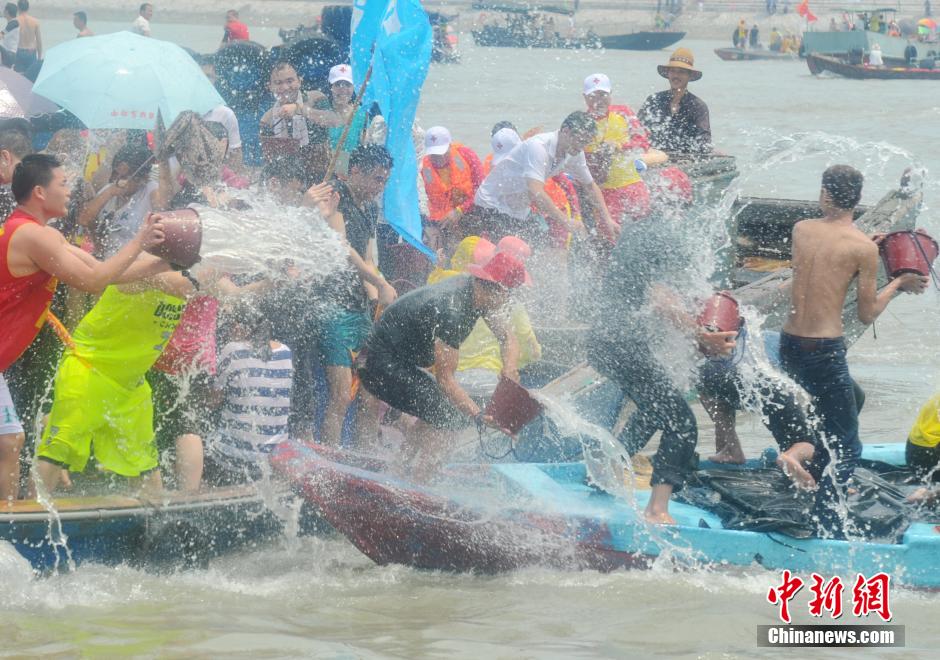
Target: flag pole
[[342, 138]]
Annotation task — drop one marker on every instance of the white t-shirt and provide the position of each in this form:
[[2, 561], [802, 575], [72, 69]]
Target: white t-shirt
[[141, 26], [225, 116], [116, 226], [506, 190], [875, 58]]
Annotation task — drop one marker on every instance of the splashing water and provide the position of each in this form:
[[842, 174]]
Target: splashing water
[[268, 238]]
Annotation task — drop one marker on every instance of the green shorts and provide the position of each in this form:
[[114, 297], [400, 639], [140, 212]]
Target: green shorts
[[91, 412], [342, 334]]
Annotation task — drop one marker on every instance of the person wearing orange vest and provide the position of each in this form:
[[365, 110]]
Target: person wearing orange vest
[[34, 257], [451, 173], [619, 153]]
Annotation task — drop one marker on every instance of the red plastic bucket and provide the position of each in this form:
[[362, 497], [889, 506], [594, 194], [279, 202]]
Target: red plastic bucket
[[512, 406], [908, 252], [721, 313], [183, 231]]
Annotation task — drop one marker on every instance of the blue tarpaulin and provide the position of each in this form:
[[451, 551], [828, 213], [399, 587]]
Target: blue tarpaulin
[[395, 36]]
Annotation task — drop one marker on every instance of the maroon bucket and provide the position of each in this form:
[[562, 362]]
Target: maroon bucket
[[183, 231], [512, 406], [721, 313], [908, 252]]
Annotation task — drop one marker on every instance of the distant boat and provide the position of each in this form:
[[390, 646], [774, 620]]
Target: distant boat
[[642, 40], [739, 54], [819, 63]]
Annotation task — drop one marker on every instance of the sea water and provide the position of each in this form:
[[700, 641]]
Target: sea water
[[320, 597]]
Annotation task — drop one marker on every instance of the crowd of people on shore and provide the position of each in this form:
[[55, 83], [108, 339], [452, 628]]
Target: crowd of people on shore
[[154, 363]]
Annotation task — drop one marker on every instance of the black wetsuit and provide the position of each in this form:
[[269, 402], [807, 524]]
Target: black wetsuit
[[649, 252], [402, 346]]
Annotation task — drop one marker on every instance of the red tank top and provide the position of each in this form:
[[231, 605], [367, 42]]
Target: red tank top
[[24, 301]]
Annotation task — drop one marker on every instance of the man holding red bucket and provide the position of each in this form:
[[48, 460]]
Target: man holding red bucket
[[828, 254], [412, 355]]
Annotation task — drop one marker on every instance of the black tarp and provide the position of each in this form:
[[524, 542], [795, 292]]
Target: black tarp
[[764, 500]]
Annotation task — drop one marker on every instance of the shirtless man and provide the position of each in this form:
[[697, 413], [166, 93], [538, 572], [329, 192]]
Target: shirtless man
[[828, 254], [29, 50]]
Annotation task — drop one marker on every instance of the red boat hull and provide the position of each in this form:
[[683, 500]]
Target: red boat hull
[[393, 522]]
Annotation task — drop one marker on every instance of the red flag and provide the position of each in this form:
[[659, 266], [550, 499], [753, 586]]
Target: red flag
[[803, 10]]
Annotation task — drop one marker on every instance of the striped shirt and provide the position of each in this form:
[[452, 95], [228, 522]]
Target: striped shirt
[[256, 394]]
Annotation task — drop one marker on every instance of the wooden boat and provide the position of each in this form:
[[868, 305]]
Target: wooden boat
[[757, 268], [641, 40], [820, 63], [741, 54], [509, 516], [176, 530], [762, 227]]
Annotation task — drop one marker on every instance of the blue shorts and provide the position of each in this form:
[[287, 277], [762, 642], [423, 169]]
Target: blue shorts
[[341, 334]]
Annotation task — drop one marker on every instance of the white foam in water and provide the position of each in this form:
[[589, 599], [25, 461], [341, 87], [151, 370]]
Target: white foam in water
[[267, 238], [604, 457]]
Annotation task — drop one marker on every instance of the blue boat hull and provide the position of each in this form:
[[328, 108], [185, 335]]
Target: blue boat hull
[[546, 514]]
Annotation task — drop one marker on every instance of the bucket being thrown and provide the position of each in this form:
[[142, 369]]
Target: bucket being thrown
[[908, 252], [512, 407], [720, 313], [183, 231]]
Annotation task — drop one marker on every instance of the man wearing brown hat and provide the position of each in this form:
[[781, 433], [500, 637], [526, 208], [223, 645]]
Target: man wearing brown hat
[[677, 119]]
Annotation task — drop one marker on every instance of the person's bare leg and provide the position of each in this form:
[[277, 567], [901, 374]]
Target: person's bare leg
[[367, 421], [339, 380], [189, 462], [148, 485], [11, 445], [727, 444], [657, 510], [49, 474], [423, 452], [793, 462]]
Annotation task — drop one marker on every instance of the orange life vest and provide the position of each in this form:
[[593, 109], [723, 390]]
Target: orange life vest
[[444, 197]]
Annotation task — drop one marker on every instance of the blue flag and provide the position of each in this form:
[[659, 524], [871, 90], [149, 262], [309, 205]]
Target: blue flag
[[402, 36]]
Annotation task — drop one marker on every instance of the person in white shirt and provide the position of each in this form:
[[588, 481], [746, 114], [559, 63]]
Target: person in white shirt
[[504, 200], [10, 36], [141, 24], [874, 56]]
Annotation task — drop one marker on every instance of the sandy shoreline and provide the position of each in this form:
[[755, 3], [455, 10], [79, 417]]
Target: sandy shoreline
[[289, 13]]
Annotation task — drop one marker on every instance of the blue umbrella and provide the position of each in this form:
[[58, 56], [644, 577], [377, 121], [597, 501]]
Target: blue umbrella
[[122, 80]]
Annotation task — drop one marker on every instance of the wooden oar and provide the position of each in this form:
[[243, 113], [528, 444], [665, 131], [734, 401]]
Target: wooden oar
[[349, 120]]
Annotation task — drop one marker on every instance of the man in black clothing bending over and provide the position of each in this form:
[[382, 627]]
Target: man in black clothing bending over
[[420, 335]]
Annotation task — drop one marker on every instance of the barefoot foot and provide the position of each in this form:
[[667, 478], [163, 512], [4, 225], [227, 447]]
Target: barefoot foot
[[728, 456], [659, 517]]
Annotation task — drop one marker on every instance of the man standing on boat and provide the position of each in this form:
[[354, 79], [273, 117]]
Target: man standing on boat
[[828, 254], [677, 119], [504, 201], [644, 319], [413, 353], [33, 258], [619, 152], [451, 173]]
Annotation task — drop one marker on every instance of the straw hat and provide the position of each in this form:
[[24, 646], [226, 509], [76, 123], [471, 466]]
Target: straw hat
[[682, 58]]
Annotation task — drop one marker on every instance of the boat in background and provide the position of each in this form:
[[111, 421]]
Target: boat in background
[[745, 54], [644, 40], [843, 42], [508, 516], [757, 267], [824, 63]]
